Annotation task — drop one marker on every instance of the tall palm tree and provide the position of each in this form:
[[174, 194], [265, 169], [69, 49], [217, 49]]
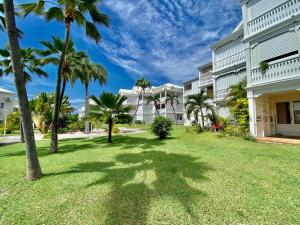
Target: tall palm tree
[[196, 104], [71, 68], [110, 107], [2, 20], [67, 11], [90, 72], [33, 166], [173, 99], [142, 84], [156, 101]]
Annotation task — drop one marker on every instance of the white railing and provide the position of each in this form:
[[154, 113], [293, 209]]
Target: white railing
[[274, 16], [277, 71], [235, 59], [221, 94]]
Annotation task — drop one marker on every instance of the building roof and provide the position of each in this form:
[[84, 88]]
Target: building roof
[[6, 91], [191, 81], [205, 66]]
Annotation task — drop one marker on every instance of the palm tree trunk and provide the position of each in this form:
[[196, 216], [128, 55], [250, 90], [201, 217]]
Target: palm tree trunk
[[202, 117], [21, 132], [110, 125], [174, 113], [87, 123], [33, 166], [62, 94], [54, 139], [137, 108]]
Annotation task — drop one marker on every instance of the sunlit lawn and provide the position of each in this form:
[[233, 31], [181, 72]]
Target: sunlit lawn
[[186, 179]]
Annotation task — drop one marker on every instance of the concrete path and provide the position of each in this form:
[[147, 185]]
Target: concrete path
[[7, 140]]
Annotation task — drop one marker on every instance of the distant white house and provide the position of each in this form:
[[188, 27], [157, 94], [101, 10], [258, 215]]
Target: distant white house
[[147, 112], [6, 103]]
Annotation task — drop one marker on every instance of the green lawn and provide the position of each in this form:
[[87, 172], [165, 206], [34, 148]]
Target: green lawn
[[186, 179]]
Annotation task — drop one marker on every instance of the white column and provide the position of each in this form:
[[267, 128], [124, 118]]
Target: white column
[[252, 113]]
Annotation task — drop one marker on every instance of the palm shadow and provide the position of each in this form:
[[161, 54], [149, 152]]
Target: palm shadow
[[137, 179]]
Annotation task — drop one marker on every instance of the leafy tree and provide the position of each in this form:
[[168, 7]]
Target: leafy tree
[[156, 101], [33, 166], [161, 127], [142, 84], [67, 11], [13, 121], [88, 72], [110, 107], [30, 64], [173, 99], [196, 104]]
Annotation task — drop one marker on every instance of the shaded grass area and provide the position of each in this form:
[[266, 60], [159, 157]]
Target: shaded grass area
[[186, 179]]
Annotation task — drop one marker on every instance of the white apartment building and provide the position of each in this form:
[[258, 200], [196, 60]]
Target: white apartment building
[[147, 112], [6, 103], [272, 36]]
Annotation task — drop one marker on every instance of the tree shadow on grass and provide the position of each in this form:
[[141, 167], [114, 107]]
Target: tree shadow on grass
[[139, 179]]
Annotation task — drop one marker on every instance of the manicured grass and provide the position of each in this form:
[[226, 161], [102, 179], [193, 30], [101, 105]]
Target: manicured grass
[[186, 179]]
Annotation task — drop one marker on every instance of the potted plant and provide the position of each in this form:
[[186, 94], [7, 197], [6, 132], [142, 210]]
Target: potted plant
[[264, 66]]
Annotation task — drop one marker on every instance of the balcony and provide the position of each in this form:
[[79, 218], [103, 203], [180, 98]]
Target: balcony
[[277, 71], [274, 16], [206, 78], [232, 60]]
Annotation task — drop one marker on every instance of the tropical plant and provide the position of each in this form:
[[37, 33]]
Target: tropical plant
[[161, 127], [142, 84], [264, 66], [30, 64], [90, 72], [155, 100], [236, 92], [67, 11], [110, 107], [173, 99], [33, 166], [196, 104], [42, 109], [2, 20], [13, 121]]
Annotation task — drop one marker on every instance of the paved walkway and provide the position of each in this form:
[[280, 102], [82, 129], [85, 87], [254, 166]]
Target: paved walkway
[[100, 133], [280, 140]]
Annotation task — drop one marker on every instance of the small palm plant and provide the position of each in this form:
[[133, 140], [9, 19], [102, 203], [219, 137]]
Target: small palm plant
[[110, 107], [196, 104], [155, 100], [143, 85], [173, 99]]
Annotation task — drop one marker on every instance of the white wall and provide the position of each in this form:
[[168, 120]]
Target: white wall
[[8, 105]]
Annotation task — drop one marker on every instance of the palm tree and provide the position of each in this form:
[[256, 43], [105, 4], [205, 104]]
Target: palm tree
[[173, 99], [195, 104], [67, 11], [71, 68], [90, 72], [2, 20], [30, 64], [143, 85], [110, 107], [33, 166], [156, 101]]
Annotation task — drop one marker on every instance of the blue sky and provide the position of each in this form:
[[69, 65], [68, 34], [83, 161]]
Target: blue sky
[[162, 40]]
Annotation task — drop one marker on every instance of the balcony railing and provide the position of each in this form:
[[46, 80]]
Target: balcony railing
[[277, 71], [230, 61], [221, 94], [274, 16]]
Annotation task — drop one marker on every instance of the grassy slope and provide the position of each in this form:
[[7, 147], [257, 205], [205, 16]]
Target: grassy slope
[[187, 179]]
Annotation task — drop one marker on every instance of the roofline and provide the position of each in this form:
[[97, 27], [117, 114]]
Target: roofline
[[191, 81], [205, 66], [6, 91]]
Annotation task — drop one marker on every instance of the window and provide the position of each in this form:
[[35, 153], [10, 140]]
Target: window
[[297, 112], [210, 91], [2, 105], [283, 113], [163, 106], [178, 116], [163, 94], [188, 87]]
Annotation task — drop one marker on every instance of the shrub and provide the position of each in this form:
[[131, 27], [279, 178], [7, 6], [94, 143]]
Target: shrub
[[161, 127], [138, 122], [195, 128], [13, 121], [115, 130], [76, 126]]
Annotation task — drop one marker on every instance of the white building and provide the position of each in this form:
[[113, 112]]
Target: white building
[[272, 36], [147, 112], [6, 103]]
